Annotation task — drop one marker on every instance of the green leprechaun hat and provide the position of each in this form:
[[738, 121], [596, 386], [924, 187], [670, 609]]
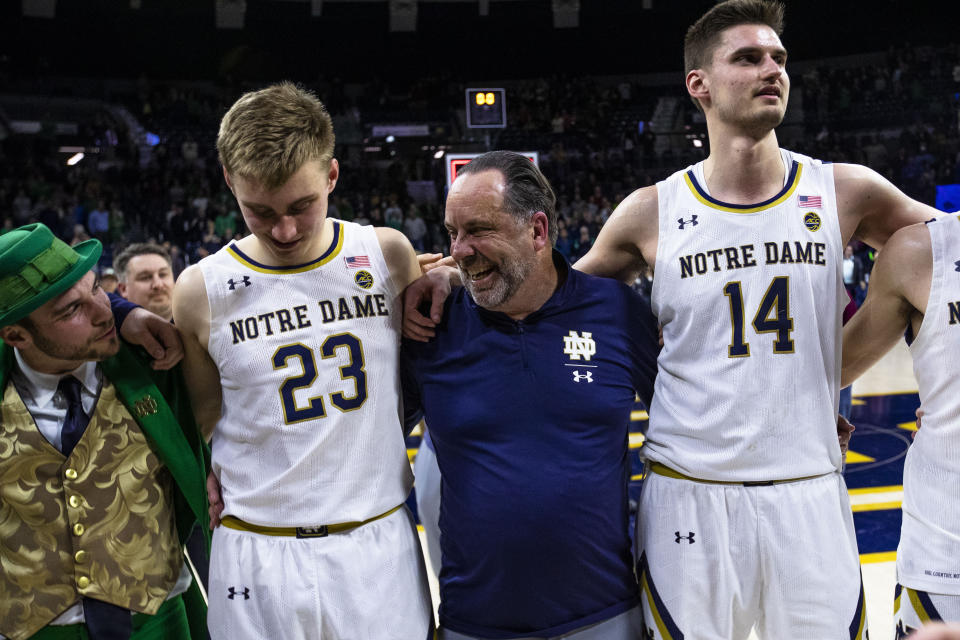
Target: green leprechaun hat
[[36, 266]]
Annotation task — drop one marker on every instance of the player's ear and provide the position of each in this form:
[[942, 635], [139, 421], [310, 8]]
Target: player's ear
[[226, 178], [333, 174], [698, 85]]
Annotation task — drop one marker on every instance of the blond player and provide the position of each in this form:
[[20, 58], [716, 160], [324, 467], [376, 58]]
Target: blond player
[[292, 340]]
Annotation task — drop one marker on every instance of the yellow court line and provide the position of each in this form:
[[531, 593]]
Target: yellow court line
[[877, 506], [858, 458], [639, 415], [908, 426], [861, 491], [883, 556], [638, 476]]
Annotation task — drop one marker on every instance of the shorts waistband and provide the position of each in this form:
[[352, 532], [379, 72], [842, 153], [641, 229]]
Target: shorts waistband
[[320, 531], [664, 470]]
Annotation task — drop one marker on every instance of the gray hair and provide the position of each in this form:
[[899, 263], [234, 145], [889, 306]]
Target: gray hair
[[527, 189]]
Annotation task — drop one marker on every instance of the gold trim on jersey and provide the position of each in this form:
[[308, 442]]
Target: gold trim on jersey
[[667, 472], [316, 531], [778, 199], [332, 252]]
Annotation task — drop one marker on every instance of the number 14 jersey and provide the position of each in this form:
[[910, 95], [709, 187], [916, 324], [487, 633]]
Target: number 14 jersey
[[310, 431], [750, 298]]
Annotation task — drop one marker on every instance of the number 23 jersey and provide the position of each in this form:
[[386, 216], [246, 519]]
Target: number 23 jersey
[[308, 355], [750, 298]]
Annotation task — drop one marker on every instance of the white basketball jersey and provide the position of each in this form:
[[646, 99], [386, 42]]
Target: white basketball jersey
[[750, 298], [929, 555], [308, 355]]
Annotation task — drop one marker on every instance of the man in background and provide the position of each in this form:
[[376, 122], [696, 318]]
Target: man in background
[[145, 277]]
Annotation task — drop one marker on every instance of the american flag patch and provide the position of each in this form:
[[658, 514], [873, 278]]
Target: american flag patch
[[355, 262], [809, 201]]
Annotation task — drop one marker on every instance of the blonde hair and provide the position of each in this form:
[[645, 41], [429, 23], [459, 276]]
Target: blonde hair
[[267, 135]]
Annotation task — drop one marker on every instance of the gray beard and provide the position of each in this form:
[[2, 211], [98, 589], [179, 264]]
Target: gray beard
[[507, 279]]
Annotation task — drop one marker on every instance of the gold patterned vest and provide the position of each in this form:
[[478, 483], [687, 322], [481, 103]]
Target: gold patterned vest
[[98, 524]]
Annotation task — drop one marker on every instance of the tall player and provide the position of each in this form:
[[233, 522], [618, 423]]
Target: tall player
[[915, 286], [292, 340], [744, 521]]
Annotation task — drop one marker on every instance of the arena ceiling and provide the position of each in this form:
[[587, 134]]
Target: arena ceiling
[[405, 39]]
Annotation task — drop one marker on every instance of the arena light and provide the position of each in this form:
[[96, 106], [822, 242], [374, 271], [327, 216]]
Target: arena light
[[230, 14], [75, 158], [566, 14], [403, 15], [438, 154], [39, 9]]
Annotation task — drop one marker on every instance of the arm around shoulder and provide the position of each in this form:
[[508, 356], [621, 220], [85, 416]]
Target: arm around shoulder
[[898, 292], [871, 208], [191, 312], [627, 240]]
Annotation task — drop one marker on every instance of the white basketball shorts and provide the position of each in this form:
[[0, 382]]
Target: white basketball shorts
[[368, 583], [717, 560]]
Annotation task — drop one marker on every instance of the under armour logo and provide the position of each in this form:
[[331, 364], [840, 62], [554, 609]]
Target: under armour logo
[[958, 265], [232, 593], [688, 538], [234, 284], [692, 222], [577, 376], [579, 345]]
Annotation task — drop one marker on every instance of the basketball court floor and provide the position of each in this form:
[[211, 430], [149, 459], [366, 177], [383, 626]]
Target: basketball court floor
[[884, 402]]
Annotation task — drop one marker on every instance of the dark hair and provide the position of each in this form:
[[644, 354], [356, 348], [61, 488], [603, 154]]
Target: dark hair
[[527, 189], [704, 35], [122, 260]]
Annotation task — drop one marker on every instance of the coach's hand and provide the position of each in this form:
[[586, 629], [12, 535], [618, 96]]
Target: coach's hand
[[159, 337], [430, 261], [215, 498], [844, 431], [433, 287]]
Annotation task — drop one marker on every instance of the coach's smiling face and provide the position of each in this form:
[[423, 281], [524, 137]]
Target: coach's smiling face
[[494, 251]]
